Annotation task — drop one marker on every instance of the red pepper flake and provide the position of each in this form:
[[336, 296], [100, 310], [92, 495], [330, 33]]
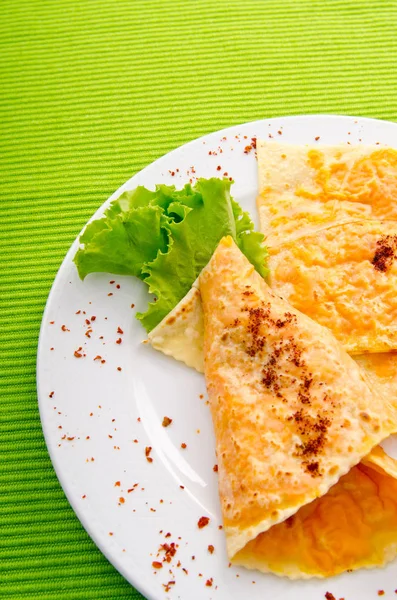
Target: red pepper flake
[[51, 394], [317, 138], [93, 318], [103, 361], [64, 328], [215, 468], [135, 441], [208, 583], [52, 322], [182, 487], [172, 173], [132, 305], [119, 341], [77, 353], [220, 527], [110, 532], [117, 484], [112, 282], [211, 549], [218, 168], [98, 357], [203, 522], [87, 437], [52, 348], [119, 330], [91, 414], [166, 422], [92, 459], [59, 426], [183, 445], [157, 565], [193, 558], [121, 500], [110, 436], [118, 286], [87, 322], [381, 593], [185, 571], [119, 369], [139, 419], [329, 596], [110, 294], [280, 132], [88, 333], [148, 450], [70, 439], [84, 496]]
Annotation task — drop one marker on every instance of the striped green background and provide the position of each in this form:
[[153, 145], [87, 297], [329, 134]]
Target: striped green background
[[92, 91]]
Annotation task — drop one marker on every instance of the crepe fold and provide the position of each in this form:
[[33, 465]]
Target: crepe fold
[[353, 526], [292, 411]]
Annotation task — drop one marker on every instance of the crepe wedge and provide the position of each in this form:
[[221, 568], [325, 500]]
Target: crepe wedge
[[354, 525], [292, 411], [304, 188]]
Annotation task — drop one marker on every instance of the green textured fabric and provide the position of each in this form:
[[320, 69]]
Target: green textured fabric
[[91, 92]]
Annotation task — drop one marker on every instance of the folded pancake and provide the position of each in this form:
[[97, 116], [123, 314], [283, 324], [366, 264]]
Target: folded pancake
[[344, 277], [353, 526], [292, 411], [304, 188]]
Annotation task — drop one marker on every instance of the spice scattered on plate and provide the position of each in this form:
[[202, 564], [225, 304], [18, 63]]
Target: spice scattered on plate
[[148, 450], [203, 522]]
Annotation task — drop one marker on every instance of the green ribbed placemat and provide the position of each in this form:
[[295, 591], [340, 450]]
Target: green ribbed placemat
[[92, 91]]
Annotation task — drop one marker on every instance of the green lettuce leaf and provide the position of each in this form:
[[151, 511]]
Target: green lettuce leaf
[[122, 244], [166, 237]]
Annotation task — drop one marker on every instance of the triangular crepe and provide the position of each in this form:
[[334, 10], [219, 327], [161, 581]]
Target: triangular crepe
[[303, 188], [292, 411], [353, 526], [344, 277]]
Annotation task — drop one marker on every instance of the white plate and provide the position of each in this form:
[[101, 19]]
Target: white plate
[[114, 408]]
